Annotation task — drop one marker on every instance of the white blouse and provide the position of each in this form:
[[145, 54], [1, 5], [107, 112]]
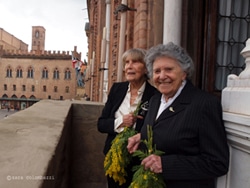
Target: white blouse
[[165, 104], [126, 108]]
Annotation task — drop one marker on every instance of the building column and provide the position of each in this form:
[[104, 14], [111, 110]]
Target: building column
[[121, 43], [106, 65], [172, 21]]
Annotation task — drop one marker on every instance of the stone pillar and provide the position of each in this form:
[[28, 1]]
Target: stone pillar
[[121, 44], [236, 115], [172, 21], [106, 65]]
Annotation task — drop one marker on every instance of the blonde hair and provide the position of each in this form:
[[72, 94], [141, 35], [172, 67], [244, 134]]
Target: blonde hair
[[136, 54]]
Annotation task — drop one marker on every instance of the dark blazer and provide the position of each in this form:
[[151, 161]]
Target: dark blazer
[[191, 133], [116, 95]]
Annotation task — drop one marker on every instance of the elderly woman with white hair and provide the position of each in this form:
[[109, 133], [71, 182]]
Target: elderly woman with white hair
[[186, 122], [123, 99]]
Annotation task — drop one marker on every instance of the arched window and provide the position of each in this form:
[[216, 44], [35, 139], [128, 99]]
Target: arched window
[[30, 72], [56, 74], [9, 72], [23, 97], [5, 96], [14, 97], [67, 75], [19, 72], [45, 73], [37, 34], [32, 97]]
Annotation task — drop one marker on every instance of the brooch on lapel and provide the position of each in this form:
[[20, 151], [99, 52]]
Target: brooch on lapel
[[144, 108], [171, 109]]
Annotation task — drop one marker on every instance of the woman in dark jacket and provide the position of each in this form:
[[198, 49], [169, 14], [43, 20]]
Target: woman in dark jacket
[[123, 99], [187, 124]]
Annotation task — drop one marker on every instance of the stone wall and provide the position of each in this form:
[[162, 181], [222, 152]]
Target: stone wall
[[86, 166], [9, 41], [52, 144]]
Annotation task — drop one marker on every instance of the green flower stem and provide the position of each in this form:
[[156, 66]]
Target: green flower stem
[[145, 178]]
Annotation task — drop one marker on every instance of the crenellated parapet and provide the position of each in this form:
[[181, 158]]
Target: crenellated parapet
[[35, 54]]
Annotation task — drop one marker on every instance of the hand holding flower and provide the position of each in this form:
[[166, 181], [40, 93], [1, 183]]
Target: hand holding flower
[[128, 120], [148, 174], [152, 162], [133, 143], [118, 157]]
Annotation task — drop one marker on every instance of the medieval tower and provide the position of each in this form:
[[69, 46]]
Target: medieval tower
[[38, 38]]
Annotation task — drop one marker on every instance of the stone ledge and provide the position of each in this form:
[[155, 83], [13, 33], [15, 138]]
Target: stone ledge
[[37, 143]]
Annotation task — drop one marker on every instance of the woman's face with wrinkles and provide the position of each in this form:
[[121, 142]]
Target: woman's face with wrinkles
[[167, 76], [134, 70]]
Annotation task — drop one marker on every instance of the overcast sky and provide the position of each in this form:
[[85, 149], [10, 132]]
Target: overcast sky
[[62, 19]]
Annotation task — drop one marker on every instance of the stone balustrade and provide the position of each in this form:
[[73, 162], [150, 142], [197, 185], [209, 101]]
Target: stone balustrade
[[236, 115]]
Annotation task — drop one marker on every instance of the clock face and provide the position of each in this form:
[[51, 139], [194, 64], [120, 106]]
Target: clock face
[[37, 34]]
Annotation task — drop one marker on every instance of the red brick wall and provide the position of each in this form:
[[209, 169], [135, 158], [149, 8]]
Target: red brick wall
[[144, 28]]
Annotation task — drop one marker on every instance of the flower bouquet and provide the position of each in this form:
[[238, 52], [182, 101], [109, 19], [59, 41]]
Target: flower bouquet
[[118, 157], [146, 178]]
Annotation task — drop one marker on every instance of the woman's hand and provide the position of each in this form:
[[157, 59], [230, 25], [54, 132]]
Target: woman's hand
[[133, 143], [153, 162], [128, 120]]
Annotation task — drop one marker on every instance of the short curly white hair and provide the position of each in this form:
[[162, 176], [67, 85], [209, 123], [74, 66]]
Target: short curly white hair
[[173, 51]]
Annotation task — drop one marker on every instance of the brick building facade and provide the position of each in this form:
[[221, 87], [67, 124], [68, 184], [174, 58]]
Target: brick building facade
[[208, 30], [27, 77], [8, 41], [143, 29]]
